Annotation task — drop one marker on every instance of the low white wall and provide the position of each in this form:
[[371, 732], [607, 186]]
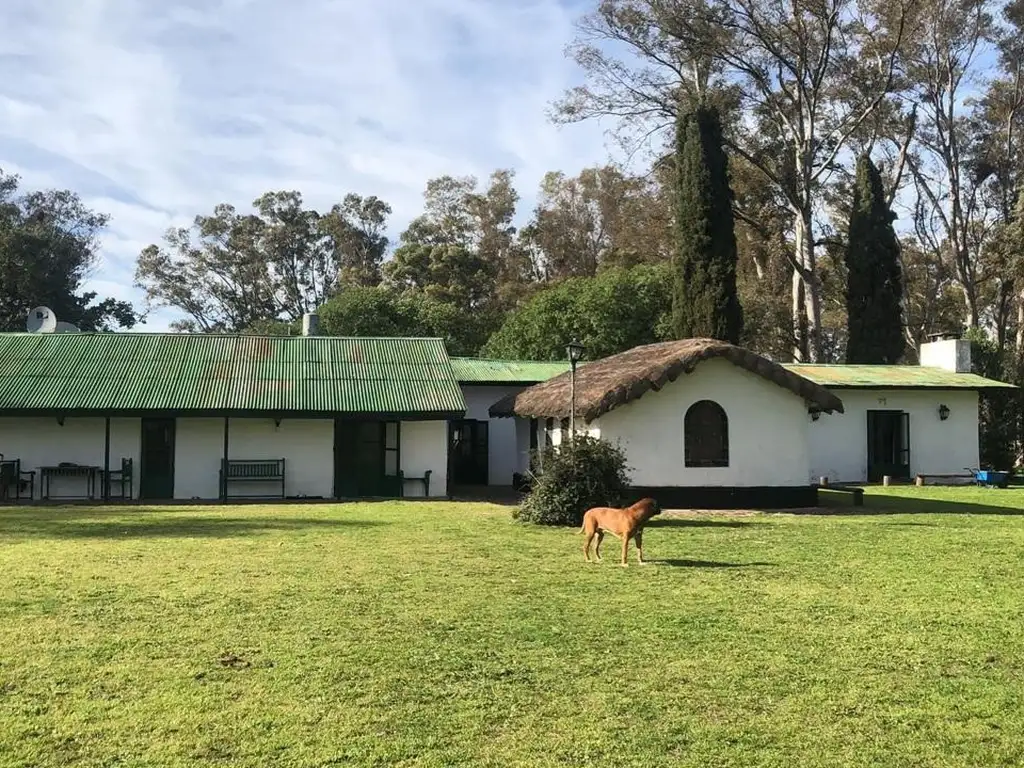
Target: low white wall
[[424, 445], [839, 442], [502, 449], [41, 441], [767, 431]]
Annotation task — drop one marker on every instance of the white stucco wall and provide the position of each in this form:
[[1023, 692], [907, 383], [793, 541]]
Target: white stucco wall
[[767, 431], [522, 429], [41, 441], [839, 442], [424, 445], [503, 453], [306, 445], [198, 449]]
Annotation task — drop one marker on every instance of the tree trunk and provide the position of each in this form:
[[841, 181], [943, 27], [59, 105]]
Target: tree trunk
[[810, 341], [1020, 325], [799, 322], [1003, 309], [973, 317]]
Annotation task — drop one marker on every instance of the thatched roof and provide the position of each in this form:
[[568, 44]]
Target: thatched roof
[[606, 384]]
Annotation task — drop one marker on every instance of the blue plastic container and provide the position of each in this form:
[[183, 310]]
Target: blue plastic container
[[989, 477]]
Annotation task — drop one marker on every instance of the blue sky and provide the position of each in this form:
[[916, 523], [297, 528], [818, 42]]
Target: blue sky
[[155, 111]]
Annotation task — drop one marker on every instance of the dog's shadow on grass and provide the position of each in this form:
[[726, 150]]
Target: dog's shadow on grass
[[677, 563]]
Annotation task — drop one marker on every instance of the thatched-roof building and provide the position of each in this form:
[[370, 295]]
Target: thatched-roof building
[[705, 423], [614, 381]]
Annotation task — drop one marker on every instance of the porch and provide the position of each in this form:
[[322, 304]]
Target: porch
[[185, 458]]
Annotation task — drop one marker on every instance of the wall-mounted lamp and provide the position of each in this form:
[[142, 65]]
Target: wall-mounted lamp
[[60, 420], [815, 414], [943, 412], [277, 422]]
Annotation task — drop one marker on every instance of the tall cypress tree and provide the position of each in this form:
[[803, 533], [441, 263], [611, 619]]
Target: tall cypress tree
[[875, 286], [704, 300]]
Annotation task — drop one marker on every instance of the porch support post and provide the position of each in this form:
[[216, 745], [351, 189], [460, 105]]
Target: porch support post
[[106, 460], [224, 464]]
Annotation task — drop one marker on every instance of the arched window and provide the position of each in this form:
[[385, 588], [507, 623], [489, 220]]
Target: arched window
[[706, 435]]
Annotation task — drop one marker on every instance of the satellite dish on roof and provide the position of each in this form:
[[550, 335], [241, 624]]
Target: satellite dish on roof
[[63, 327], [41, 320]]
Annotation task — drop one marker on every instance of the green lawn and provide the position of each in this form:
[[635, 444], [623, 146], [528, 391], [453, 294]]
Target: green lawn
[[445, 634]]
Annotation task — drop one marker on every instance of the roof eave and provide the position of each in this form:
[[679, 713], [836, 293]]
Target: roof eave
[[926, 387], [253, 413]]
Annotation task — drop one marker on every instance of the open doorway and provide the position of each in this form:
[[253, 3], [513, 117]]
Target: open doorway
[[468, 451], [888, 445]]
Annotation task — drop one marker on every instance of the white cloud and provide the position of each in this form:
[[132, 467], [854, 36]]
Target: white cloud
[[155, 112]]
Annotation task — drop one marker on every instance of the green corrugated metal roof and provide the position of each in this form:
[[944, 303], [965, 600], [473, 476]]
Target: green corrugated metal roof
[[889, 376], [208, 373], [470, 370]]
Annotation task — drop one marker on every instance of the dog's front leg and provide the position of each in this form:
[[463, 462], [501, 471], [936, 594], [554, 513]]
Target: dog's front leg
[[625, 548]]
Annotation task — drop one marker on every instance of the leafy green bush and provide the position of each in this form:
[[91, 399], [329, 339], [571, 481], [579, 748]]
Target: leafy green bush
[[614, 311], [586, 473]]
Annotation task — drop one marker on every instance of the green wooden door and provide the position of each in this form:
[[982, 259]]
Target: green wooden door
[[366, 459], [156, 465]]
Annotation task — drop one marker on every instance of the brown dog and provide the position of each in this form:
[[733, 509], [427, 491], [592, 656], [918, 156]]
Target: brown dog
[[625, 523]]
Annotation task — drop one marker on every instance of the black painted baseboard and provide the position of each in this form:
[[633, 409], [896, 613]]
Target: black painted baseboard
[[714, 497], [727, 497]]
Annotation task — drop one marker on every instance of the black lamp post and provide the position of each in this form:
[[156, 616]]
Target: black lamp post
[[575, 352]]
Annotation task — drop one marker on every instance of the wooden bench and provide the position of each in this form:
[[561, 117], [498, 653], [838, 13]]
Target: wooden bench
[[425, 480], [858, 493], [250, 471], [963, 476]]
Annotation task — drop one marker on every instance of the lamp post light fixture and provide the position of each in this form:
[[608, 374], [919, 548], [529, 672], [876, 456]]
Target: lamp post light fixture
[[943, 412], [575, 351]]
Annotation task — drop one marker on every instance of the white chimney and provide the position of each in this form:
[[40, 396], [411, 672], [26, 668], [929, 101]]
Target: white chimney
[[947, 351], [310, 324]]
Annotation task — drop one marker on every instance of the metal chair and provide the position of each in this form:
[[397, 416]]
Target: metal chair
[[13, 478]]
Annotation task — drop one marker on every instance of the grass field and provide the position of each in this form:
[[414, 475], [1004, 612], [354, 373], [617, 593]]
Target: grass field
[[445, 634]]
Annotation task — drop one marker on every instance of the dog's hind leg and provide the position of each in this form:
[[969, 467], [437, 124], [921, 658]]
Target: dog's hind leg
[[597, 546], [586, 546], [640, 548]]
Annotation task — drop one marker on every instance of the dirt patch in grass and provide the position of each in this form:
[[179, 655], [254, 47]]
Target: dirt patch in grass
[[711, 513]]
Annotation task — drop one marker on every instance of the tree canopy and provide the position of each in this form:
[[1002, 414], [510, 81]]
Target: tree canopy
[[613, 311], [874, 290], [48, 248], [704, 300], [231, 271]]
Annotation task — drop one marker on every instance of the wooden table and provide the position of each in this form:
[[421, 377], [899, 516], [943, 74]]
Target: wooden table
[[78, 470]]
